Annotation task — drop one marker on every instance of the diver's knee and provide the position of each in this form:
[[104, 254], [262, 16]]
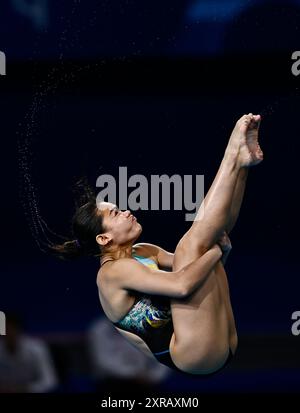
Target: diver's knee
[[189, 243]]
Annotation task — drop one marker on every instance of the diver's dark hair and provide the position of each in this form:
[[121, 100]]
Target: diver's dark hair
[[86, 224]]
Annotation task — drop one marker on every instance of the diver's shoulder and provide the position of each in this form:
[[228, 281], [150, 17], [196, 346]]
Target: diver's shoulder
[[145, 250], [114, 268]]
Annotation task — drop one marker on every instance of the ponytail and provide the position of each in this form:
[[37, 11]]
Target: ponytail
[[86, 224], [69, 250]]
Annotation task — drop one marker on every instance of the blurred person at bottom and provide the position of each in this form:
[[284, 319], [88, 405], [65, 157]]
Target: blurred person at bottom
[[25, 363], [118, 365]]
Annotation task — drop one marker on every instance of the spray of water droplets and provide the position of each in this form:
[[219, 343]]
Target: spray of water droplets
[[275, 105], [29, 129], [28, 132]]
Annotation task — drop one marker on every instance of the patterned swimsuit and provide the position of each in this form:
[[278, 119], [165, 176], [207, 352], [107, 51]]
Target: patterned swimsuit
[[150, 318]]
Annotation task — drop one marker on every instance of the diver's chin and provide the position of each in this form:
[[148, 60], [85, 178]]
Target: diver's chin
[[140, 228]]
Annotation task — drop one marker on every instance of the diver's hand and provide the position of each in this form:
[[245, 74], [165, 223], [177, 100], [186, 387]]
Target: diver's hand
[[225, 245]]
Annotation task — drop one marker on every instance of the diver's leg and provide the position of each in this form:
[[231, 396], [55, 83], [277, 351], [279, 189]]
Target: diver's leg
[[239, 190], [213, 216], [204, 328], [237, 199]]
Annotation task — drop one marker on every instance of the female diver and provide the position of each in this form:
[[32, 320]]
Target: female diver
[[182, 317]]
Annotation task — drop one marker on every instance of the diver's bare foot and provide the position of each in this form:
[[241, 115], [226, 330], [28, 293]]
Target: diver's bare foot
[[252, 140], [244, 141]]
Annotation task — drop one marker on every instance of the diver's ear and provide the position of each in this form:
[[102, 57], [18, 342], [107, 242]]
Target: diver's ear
[[103, 239]]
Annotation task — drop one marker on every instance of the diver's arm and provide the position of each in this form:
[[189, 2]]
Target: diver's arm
[[128, 274]]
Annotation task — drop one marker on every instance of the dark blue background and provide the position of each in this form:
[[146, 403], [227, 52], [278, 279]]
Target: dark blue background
[[43, 29], [156, 87]]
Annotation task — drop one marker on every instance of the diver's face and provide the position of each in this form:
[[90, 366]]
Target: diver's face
[[121, 226]]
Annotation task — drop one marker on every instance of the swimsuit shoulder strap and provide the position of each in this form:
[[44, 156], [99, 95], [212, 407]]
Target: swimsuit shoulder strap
[[149, 262]]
